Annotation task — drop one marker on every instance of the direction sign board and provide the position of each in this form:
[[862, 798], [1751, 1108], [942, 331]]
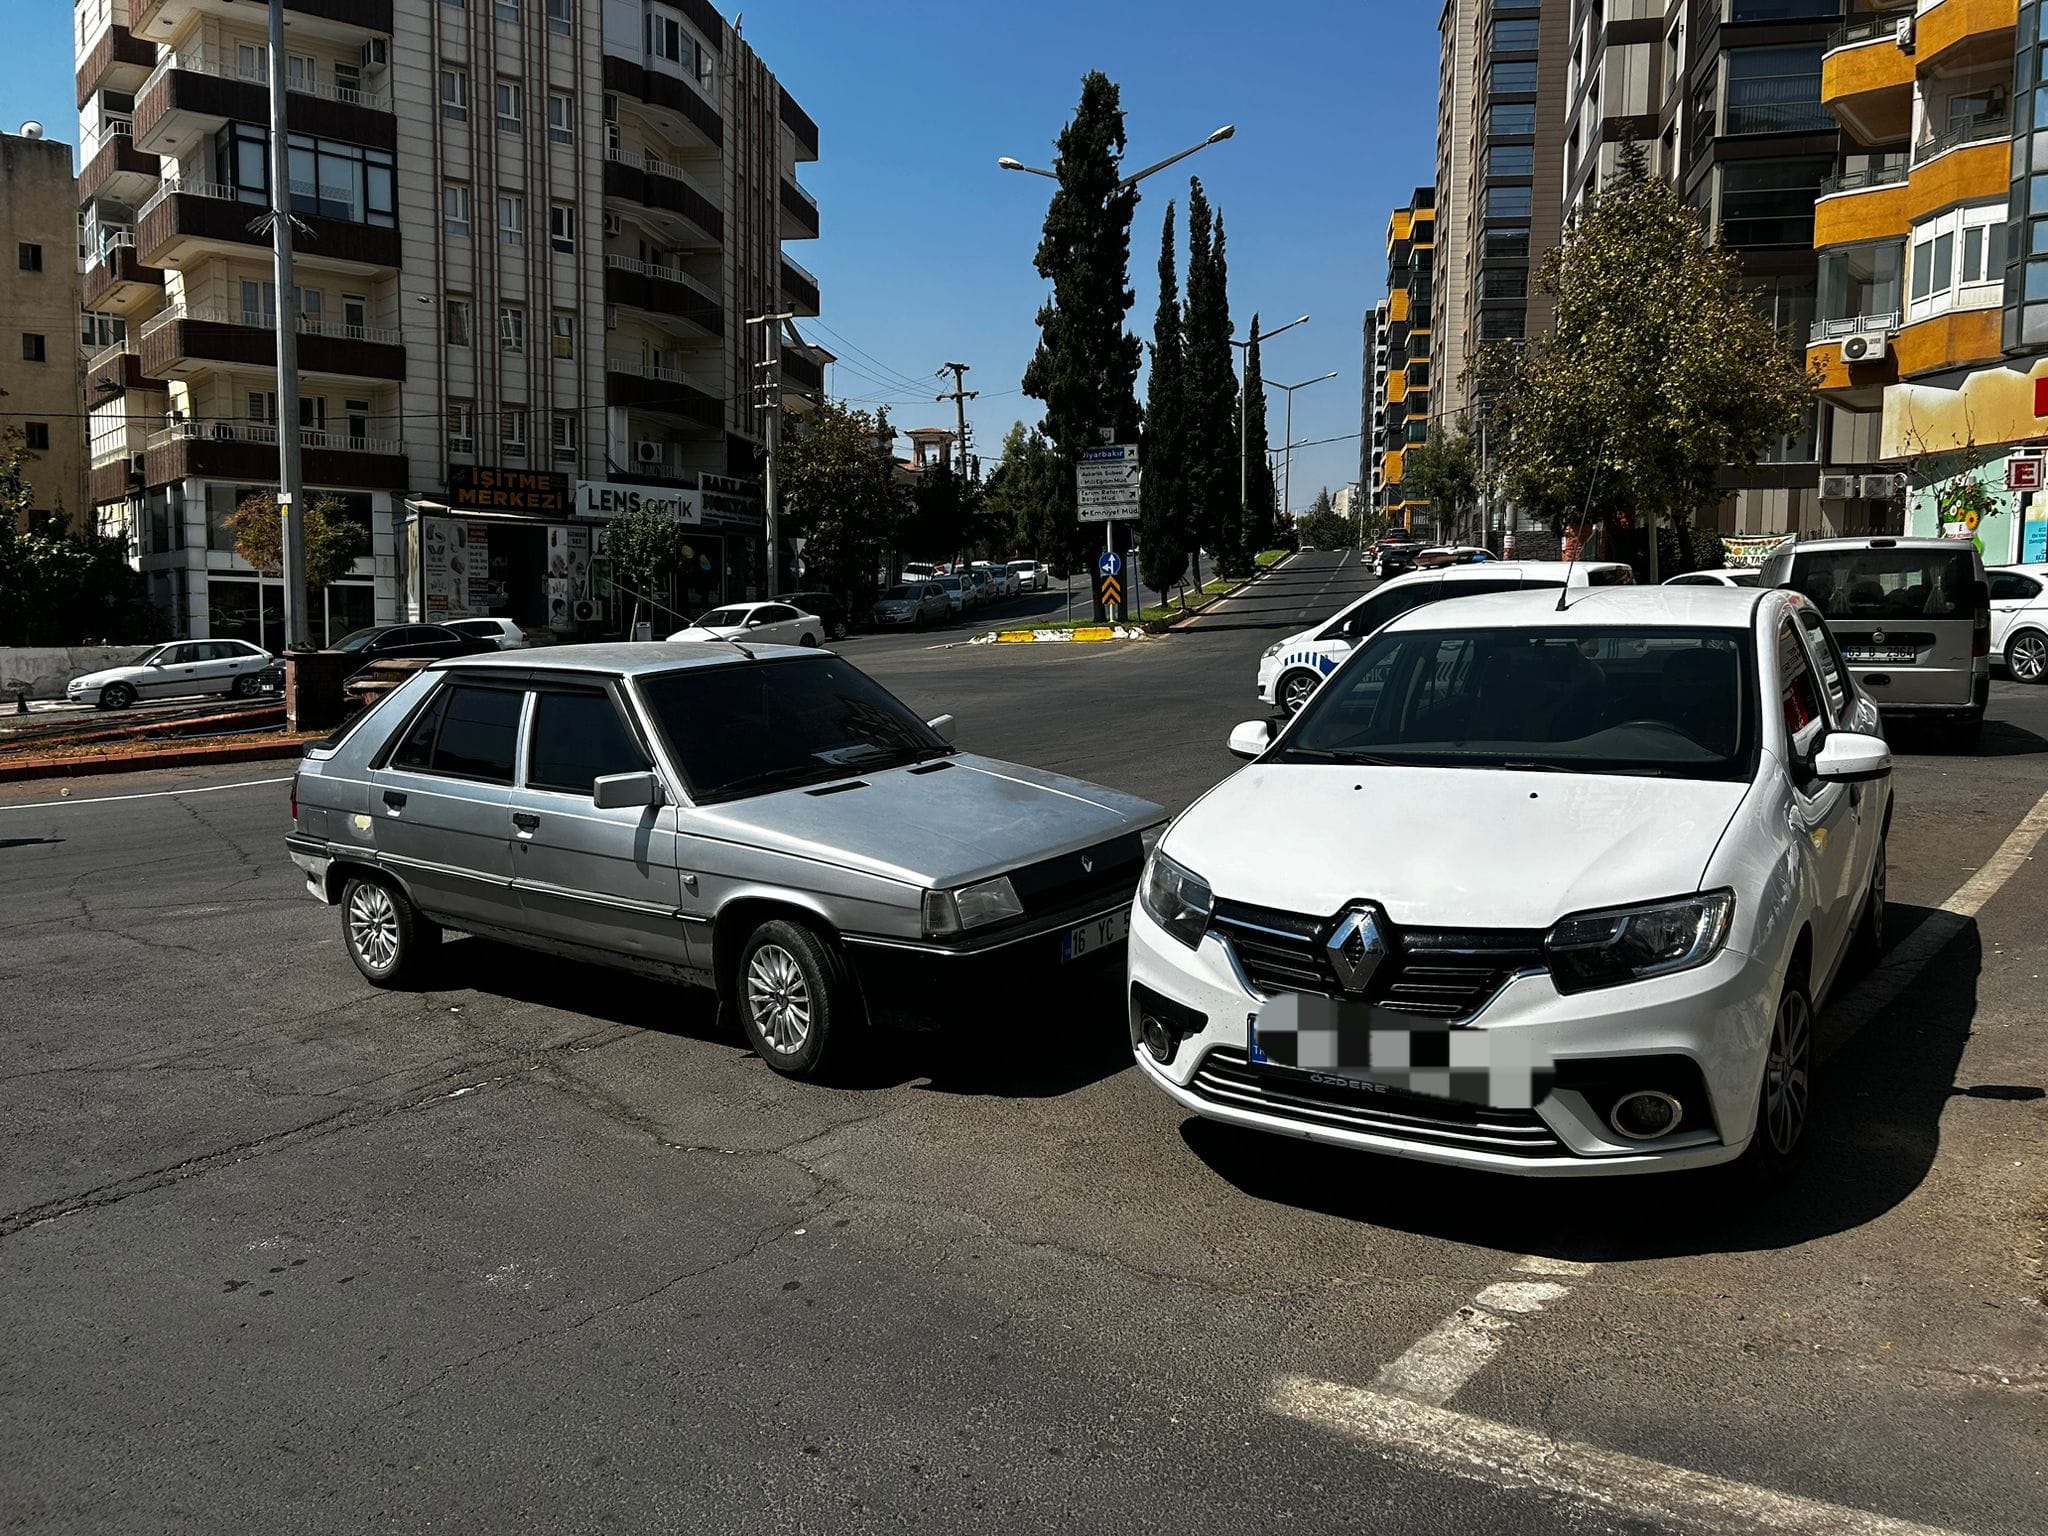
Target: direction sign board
[[1110, 563], [1110, 453], [1123, 512], [1108, 495]]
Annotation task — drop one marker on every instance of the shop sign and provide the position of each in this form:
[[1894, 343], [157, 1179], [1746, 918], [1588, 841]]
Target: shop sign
[[481, 488], [606, 498], [727, 500]]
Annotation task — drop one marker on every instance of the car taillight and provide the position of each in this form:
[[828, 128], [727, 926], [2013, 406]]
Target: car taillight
[[1980, 634]]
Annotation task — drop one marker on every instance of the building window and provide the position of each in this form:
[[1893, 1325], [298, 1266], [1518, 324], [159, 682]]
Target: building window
[[31, 257], [1770, 202], [565, 437], [455, 95], [1512, 79], [1514, 203], [561, 118], [563, 327], [1501, 324], [561, 16], [511, 328], [1516, 159], [512, 433], [37, 437], [461, 427], [1514, 36], [1504, 283], [511, 107], [32, 348], [1507, 243], [339, 181], [457, 328], [1511, 120], [508, 10], [665, 39], [1861, 281], [1775, 90], [455, 208], [301, 73], [511, 219], [562, 227], [1958, 261]]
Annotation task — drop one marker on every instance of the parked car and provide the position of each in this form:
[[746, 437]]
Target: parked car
[[1451, 554], [919, 605], [1741, 577], [959, 594], [1291, 669], [2019, 620], [1672, 807], [1002, 581], [765, 623], [1031, 576], [826, 608], [978, 582], [503, 633], [183, 667], [1913, 617], [406, 642], [779, 828], [1396, 557]]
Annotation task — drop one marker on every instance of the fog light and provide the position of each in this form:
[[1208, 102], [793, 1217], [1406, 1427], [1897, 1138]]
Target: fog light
[[1645, 1115], [1159, 1039]]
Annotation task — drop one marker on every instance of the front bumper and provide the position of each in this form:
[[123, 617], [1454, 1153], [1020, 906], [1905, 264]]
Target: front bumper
[[1714, 1020], [916, 979]]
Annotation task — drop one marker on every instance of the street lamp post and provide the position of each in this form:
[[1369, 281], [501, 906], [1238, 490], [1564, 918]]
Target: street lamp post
[[1287, 454], [1244, 462]]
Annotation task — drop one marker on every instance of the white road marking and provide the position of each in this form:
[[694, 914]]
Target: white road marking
[[1435, 1366], [154, 794], [2017, 848], [1504, 1456]]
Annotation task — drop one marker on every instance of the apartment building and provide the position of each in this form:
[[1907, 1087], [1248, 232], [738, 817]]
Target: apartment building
[[1456, 121], [1372, 403], [528, 235], [39, 353], [1405, 334]]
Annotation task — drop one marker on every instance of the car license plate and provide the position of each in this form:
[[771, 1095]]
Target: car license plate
[[1886, 655], [1094, 935]]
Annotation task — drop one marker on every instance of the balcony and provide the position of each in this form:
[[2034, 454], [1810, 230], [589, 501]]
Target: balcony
[[115, 370], [185, 220], [1866, 79], [1983, 128], [1775, 104], [117, 62], [662, 292], [185, 343], [1947, 30], [801, 212], [678, 106], [799, 287], [336, 20], [193, 94], [646, 386], [118, 171], [117, 282], [799, 124], [800, 368], [1865, 204], [246, 452], [649, 182]]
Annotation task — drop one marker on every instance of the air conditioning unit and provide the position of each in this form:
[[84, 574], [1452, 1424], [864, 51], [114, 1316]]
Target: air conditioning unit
[[1881, 487], [584, 610], [1904, 34], [647, 451], [1838, 487], [615, 224], [377, 53], [1866, 347]]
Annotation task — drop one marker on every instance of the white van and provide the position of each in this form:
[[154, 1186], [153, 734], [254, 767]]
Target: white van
[[1292, 668]]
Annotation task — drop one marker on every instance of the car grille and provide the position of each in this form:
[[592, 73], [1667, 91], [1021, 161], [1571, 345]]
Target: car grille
[[1055, 884], [1438, 973], [1227, 1079]]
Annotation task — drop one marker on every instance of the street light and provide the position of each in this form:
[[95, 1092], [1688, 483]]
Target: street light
[[1287, 437], [1244, 493], [1011, 163]]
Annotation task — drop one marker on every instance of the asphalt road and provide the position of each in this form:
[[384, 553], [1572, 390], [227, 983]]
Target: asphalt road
[[543, 1248]]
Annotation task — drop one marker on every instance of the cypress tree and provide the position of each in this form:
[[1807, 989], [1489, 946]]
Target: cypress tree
[[1163, 503], [1209, 403], [1260, 516]]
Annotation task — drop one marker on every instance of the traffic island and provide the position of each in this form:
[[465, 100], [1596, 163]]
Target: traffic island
[[1062, 634]]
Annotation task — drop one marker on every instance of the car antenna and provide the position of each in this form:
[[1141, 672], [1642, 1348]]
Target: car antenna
[[1586, 512]]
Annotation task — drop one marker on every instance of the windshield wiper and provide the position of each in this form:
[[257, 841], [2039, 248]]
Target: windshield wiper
[[1361, 759], [1518, 765]]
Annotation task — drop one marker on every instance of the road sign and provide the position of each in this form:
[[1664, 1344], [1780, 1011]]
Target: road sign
[[1111, 453], [1112, 591], [1110, 563], [1114, 464], [1125, 512], [1108, 495]]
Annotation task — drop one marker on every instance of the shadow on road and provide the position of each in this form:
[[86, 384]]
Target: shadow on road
[[1877, 1117]]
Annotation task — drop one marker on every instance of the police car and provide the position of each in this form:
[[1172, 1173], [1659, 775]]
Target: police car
[[1291, 669]]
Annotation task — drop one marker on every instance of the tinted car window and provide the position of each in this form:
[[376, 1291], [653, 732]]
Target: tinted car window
[[579, 737], [774, 613], [2006, 585], [723, 618], [416, 749], [357, 640], [1888, 583], [896, 595], [479, 729]]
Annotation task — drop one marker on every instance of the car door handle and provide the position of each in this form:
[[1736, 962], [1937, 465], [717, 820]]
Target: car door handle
[[525, 821], [394, 799]]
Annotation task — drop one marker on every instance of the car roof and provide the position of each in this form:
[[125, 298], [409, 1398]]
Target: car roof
[[1700, 607], [623, 658], [1493, 570], [1875, 541]]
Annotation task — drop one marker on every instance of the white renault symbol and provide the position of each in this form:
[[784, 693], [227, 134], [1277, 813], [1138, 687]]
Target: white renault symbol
[[1663, 839], [1292, 669]]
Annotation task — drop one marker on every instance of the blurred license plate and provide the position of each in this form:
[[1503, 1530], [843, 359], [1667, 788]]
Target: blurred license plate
[[1890, 655], [1097, 933]]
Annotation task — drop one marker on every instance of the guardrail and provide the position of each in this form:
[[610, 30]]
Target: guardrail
[[667, 274], [1988, 127], [265, 433], [1864, 179], [198, 61], [388, 336]]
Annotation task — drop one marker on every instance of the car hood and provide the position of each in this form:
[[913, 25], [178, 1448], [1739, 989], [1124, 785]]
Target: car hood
[[1461, 847], [949, 825], [111, 675]]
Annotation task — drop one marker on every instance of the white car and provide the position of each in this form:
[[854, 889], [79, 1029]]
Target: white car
[[183, 667], [1002, 581], [1740, 577], [1031, 576], [762, 623], [1291, 669], [1660, 835], [503, 633], [2019, 620]]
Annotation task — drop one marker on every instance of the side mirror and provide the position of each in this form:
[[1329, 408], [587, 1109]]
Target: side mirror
[[1251, 738], [1849, 757], [623, 791], [942, 727]]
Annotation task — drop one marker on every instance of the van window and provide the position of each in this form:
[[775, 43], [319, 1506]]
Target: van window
[[577, 739], [1888, 583]]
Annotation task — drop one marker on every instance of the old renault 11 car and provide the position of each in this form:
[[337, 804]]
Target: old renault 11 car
[[767, 821]]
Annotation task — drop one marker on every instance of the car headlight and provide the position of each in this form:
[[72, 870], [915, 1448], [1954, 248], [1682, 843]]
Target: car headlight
[[972, 906], [1603, 949], [1273, 650], [1176, 898]]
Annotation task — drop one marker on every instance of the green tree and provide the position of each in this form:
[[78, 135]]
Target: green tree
[[941, 521], [1163, 506], [1026, 498], [1444, 471], [837, 479], [334, 541], [1322, 528], [1086, 367], [59, 586], [644, 547], [1657, 373], [1209, 393], [1261, 509]]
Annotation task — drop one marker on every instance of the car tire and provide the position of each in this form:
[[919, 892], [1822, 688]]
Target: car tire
[[245, 685], [1296, 688], [838, 631], [116, 696], [2026, 657], [807, 638], [384, 933], [1784, 1101], [793, 995]]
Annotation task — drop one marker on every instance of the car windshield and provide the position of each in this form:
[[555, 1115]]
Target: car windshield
[[898, 595], [723, 618], [1020, 566], [1887, 583], [1668, 702], [357, 640], [950, 583], [744, 730]]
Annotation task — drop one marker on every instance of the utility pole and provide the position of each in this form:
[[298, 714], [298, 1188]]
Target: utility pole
[[959, 397], [298, 630], [771, 372]]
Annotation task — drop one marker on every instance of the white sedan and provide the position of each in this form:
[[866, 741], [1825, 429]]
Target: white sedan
[[1662, 838], [2019, 620], [183, 667], [1740, 576], [763, 623]]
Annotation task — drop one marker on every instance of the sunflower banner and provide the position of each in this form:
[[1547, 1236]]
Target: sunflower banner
[[1752, 550]]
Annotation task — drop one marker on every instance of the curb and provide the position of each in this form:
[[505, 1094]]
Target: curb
[[137, 762], [1087, 633]]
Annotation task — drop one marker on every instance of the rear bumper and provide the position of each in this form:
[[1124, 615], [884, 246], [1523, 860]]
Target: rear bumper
[[313, 858]]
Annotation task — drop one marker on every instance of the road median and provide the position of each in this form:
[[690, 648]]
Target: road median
[[1150, 622]]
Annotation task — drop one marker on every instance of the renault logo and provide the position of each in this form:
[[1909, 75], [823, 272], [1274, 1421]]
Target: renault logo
[[1087, 865], [1356, 947]]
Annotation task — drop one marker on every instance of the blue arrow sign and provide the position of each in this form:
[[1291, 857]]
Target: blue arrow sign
[[1109, 563]]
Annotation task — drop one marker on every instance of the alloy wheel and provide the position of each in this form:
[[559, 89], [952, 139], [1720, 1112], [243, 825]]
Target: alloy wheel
[[2027, 657], [779, 998], [1788, 1072], [1295, 691], [373, 925]]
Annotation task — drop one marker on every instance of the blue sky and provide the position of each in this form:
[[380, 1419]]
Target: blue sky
[[926, 248]]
